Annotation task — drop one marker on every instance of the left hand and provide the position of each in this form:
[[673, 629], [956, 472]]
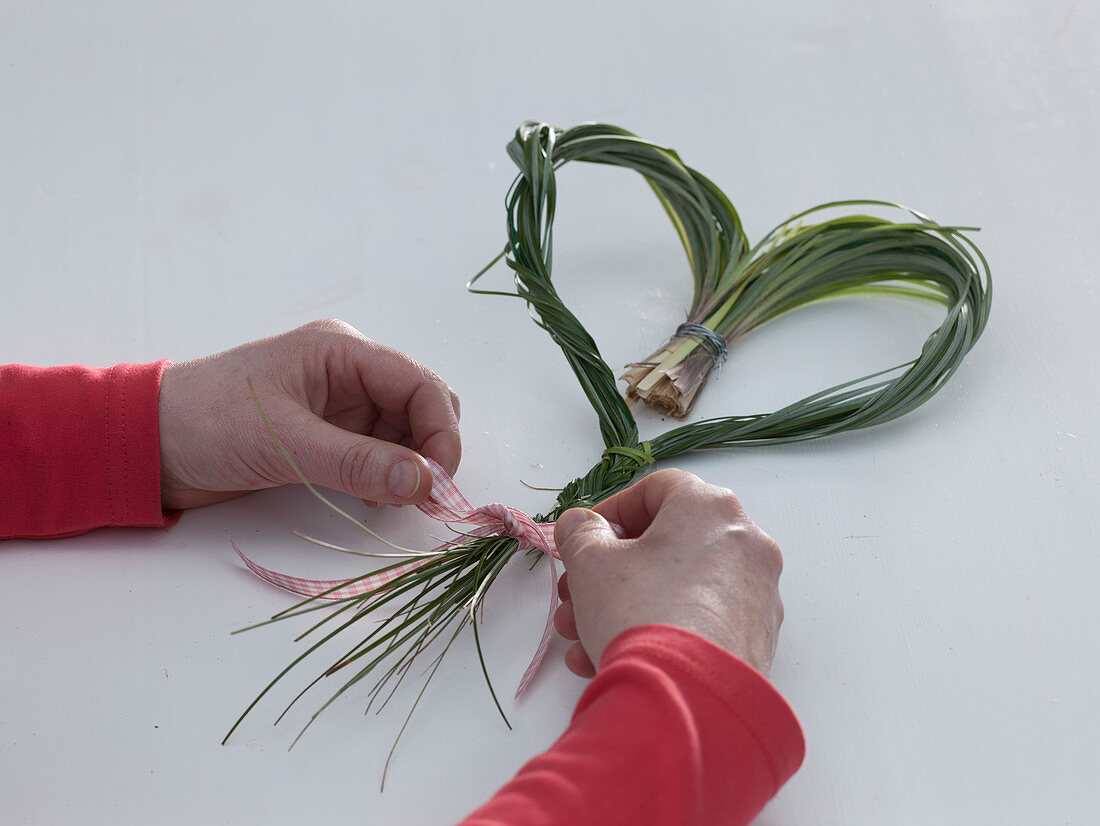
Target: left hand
[[355, 415]]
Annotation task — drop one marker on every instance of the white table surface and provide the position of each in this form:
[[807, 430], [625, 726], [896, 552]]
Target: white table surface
[[177, 178]]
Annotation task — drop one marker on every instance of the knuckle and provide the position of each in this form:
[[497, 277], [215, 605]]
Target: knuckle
[[720, 505], [357, 469], [583, 547], [674, 486], [439, 387], [672, 476], [324, 325], [726, 502], [769, 552], [432, 388], [324, 332], [758, 550], [406, 364]]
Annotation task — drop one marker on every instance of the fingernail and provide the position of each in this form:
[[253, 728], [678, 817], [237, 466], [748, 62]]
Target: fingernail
[[568, 522], [404, 479]]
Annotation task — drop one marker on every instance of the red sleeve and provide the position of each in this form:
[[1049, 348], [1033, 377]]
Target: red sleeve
[[79, 449], [673, 730]]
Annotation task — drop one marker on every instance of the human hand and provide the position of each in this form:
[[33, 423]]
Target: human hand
[[355, 415], [691, 558]]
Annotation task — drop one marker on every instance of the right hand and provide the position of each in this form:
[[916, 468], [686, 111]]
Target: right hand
[[691, 557]]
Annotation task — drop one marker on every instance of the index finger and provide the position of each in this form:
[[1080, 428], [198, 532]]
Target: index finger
[[434, 424], [636, 507], [406, 389]]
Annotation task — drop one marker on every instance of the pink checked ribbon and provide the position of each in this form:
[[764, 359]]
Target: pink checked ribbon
[[447, 504]]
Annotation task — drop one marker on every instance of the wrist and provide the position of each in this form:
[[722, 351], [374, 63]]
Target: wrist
[[177, 490], [167, 423]]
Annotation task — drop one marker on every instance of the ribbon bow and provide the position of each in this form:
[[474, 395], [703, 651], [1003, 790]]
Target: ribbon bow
[[446, 504]]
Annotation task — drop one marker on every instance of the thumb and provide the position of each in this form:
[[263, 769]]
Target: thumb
[[579, 529], [371, 469]]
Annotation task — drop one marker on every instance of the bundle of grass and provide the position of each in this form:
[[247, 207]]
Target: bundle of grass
[[433, 597]]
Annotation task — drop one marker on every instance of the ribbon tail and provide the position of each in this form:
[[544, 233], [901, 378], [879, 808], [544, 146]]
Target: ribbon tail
[[544, 643], [324, 588]]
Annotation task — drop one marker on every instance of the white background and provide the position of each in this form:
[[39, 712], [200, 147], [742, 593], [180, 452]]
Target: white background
[[180, 177]]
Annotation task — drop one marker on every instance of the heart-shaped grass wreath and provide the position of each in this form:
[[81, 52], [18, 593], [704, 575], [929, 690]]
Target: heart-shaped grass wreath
[[737, 288]]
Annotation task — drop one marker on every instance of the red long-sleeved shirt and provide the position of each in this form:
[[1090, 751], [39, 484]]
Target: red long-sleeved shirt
[[79, 449], [673, 729]]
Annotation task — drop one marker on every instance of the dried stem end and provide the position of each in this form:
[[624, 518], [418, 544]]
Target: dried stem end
[[669, 381]]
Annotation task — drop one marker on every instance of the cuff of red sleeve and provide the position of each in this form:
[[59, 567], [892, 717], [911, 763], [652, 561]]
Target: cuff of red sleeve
[[83, 449], [133, 460], [739, 687]]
